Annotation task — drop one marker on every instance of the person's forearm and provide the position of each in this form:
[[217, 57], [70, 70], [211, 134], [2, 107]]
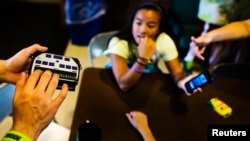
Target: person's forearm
[[178, 77], [147, 134], [131, 77], [175, 70], [232, 31]]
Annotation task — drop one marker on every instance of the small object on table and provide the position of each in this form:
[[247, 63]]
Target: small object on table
[[220, 107]]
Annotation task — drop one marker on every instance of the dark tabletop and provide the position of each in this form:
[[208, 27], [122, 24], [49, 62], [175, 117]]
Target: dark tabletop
[[172, 115]]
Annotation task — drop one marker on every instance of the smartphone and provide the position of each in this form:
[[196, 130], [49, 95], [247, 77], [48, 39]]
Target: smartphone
[[200, 80], [68, 68]]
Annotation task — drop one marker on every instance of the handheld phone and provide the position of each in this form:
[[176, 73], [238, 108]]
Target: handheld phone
[[68, 68], [200, 80]]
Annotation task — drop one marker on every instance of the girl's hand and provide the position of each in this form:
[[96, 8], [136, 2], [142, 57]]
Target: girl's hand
[[146, 48], [181, 85]]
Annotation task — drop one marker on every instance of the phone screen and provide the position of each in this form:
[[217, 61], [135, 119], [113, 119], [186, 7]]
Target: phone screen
[[198, 81]]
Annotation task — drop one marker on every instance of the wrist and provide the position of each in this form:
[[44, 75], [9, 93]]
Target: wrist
[[28, 130], [137, 69], [142, 60], [15, 136], [141, 63], [178, 77]]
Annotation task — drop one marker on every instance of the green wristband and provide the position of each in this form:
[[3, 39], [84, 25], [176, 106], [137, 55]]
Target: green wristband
[[15, 136]]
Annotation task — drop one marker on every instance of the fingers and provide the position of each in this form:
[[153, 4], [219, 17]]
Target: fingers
[[48, 83], [62, 95], [43, 85], [20, 84], [141, 39], [37, 48], [53, 80], [186, 92], [197, 90], [129, 115], [31, 50], [45, 80], [199, 52], [193, 39], [130, 118], [198, 43], [199, 55], [181, 84], [33, 79], [133, 114], [198, 48]]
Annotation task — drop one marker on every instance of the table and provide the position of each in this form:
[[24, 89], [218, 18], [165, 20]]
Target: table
[[172, 115]]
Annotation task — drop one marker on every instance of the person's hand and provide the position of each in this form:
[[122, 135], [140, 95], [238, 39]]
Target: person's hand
[[34, 103], [140, 122], [198, 45], [20, 62], [195, 50], [202, 41], [137, 119], [181, 85], [146, 48]]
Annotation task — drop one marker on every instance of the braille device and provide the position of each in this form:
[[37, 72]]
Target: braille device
[[68, 68]]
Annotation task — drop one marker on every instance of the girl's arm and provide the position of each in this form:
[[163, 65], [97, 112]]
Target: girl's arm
[[125, 77]]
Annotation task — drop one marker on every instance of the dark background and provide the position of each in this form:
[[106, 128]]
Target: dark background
[[25, 23]]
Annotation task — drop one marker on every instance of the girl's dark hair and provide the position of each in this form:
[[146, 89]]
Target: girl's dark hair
[[126, 32]]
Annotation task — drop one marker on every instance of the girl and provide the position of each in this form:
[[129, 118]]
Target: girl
[[137, 48]]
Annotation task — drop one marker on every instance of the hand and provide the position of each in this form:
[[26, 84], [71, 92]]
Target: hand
[[137, 119], [140, 122], [146, 48], [195, 50], [20, 62], [34, 105], [181, 85], [202, 40], [198, 45]]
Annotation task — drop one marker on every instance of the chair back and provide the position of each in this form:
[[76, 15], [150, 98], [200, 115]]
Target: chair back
[[98, 44]]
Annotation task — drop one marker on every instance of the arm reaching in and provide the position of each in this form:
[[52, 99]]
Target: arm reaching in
[[140, 122], [231, 31]]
